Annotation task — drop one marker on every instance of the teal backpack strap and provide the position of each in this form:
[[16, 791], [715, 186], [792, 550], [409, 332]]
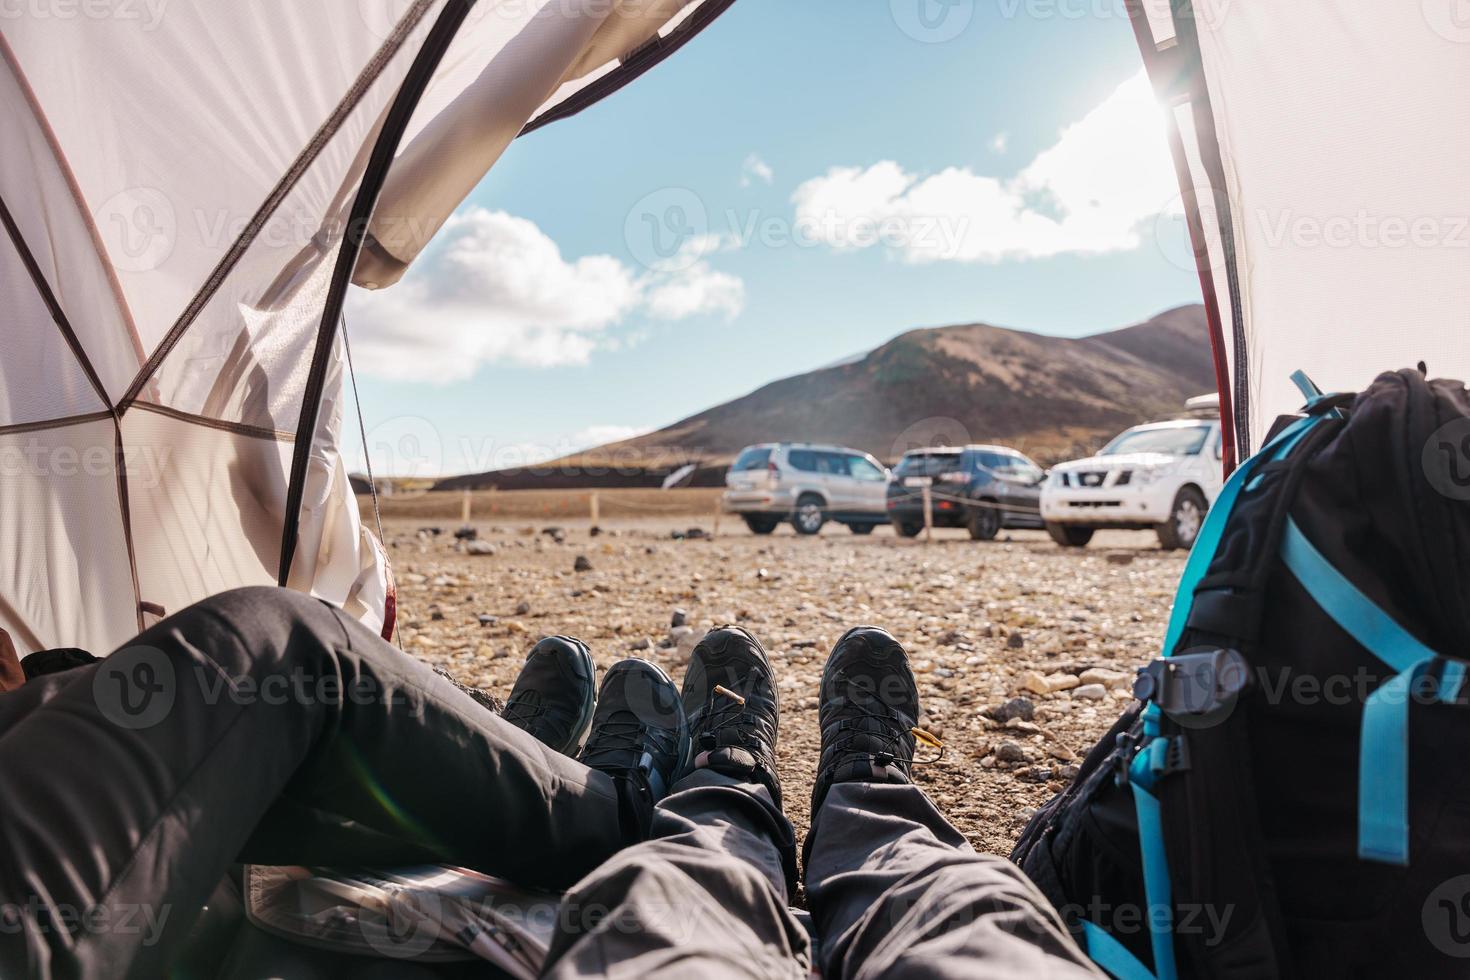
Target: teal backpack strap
[[1151, 760], [1112, 955], [1383, 756], [1213, 530]]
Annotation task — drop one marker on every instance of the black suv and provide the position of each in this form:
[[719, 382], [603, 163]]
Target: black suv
[[983, 488]]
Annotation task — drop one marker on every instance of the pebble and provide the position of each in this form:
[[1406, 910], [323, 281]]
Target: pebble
[[1090, 692], [1021, 708], [582, 564], [1015, 641], [479, 548], [1114, 679], [953, 605], [1008, 751], [1037, 683], [1120, 558], [679, 618]]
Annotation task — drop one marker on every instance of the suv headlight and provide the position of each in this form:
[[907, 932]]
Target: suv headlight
[[1146, 475]]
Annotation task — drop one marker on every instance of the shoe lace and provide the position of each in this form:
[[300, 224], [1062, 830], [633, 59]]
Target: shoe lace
[[523, 712], [618, 743], [888, 733], [724, 709]]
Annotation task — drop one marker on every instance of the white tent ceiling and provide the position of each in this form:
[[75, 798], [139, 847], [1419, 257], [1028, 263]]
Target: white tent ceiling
[[181, 201]]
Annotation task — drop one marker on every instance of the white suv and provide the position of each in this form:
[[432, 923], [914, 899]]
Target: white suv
[[1162, 476], [808, 485]]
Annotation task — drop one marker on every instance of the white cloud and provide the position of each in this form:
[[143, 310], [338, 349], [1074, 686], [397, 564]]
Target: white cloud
[[495, 288], [699, 289], [999, 142], [755, 169], [1087, 193]]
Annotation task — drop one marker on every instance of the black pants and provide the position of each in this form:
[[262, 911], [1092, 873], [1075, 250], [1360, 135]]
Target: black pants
[[263, 726]]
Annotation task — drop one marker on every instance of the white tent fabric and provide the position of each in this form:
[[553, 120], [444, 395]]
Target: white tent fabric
[[500, 73], [182, 200], [1328, 149]]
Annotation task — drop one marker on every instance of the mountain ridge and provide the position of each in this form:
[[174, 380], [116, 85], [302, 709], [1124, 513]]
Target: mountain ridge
[[1049, 396]]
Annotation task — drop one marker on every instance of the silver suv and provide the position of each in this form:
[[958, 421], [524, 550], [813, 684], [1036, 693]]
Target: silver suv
[[808, 485]]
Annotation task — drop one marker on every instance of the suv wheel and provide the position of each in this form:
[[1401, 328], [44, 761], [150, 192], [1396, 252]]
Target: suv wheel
[[908, 530], [809, 516], [1185, 520], [760, 524], [861, 527], [1070, 535], [984, 521]]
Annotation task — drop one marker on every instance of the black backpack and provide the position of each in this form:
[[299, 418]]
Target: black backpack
[[1284, 798]]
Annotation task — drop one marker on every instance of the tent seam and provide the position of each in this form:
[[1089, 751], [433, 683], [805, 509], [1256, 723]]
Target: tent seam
[[53, 305], [78, 198], [223, 425], [308, 155]]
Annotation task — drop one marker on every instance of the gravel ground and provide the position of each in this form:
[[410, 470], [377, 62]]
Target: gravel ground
[[984, 624]]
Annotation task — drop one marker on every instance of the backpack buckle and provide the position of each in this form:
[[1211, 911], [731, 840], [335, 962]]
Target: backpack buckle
[[1194, 686]]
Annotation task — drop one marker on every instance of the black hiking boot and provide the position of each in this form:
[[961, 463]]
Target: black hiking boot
[[733, 709], [555, 694], [639, 736], [868, 711]]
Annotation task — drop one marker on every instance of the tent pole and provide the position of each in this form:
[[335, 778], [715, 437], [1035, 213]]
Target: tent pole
[[394, 124]]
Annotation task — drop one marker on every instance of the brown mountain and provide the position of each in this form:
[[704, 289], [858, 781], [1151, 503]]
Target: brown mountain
[[1049, 396]]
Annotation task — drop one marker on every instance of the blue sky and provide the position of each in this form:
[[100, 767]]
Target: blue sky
[[951, 150]]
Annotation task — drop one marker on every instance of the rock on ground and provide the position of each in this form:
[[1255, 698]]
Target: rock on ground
[[985, 624]]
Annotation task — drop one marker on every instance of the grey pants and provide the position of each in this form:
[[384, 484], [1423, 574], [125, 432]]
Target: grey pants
[[894, 891]]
